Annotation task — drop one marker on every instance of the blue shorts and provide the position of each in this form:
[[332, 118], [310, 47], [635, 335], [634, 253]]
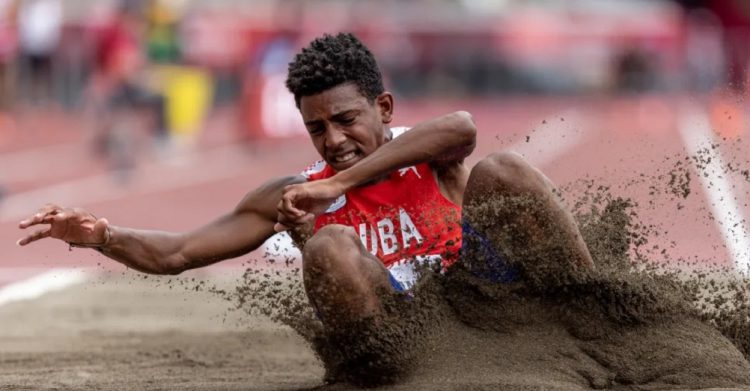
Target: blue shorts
[[397, 286], [495, 268]]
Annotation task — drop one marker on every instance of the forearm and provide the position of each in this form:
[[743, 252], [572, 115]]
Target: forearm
[[229, 236], [243, 230], [449, 137], [151, 252]]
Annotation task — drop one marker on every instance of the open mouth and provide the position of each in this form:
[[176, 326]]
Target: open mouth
[[345, 157]]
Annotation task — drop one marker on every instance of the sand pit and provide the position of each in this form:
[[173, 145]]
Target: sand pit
[[622, 328], [155, 334], [617, 329], [543, 343], [130, 333]]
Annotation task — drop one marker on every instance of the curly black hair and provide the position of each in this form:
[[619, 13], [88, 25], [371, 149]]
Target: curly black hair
[[332, 60]]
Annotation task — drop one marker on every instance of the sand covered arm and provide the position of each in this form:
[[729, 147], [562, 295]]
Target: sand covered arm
[[157, 252]]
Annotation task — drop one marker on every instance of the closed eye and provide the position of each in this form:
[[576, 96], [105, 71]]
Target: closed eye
[[347, 117], [314, 130]]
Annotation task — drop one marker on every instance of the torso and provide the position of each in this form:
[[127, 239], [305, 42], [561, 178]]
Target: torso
[[399, 219]]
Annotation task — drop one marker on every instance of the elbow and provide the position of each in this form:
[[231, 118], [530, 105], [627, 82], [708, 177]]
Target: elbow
[[171, 267], [465, 131], [465, 128], [157, 270], [173, 271], [162, 270]]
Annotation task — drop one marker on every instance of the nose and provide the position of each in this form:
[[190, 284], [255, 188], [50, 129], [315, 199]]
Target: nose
[[334, 137]]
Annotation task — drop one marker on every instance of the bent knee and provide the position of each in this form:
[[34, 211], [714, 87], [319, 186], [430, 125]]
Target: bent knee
[[511, 171], [329, 244], [510, 165]]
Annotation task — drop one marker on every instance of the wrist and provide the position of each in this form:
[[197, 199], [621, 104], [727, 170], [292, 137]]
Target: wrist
[[342, 182], [97, 246]]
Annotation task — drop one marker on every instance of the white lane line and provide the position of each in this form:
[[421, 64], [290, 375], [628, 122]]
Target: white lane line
[[221, 163], [49, 281], [550, 141], [696, 133]]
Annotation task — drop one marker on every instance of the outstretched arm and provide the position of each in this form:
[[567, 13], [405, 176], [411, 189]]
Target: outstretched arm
[[236, 233]]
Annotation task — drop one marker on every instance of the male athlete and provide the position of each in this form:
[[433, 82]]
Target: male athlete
[[379, 201]]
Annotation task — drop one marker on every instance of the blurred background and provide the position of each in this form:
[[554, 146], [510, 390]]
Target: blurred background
[[164, 113]]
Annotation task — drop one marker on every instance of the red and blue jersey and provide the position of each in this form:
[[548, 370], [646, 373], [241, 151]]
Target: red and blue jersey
[[400, 219]]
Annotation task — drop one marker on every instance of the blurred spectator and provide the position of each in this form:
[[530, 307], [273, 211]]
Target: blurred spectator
[[162, 37], [119, 93], [74, 63], [8, 53], [39, 30], [268, 108], [734, 16], [704, 52], [634, 70]]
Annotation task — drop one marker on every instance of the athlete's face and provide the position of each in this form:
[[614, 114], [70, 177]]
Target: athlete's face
[[344, 126]]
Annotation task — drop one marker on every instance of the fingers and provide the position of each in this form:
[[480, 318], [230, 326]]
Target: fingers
[[40, 234], [68, 224], [286, 205], [283, 223], [39, 216], [307, 218], [289, 214]]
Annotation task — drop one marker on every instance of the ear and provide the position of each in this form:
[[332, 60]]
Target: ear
[[384, 102]]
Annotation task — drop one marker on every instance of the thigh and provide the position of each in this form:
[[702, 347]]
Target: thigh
[[511, 209]]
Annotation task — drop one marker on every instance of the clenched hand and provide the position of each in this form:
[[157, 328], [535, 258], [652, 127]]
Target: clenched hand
[[300, 203]]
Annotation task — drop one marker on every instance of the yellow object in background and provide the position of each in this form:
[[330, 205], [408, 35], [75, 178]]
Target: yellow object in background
[[189, 93]]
